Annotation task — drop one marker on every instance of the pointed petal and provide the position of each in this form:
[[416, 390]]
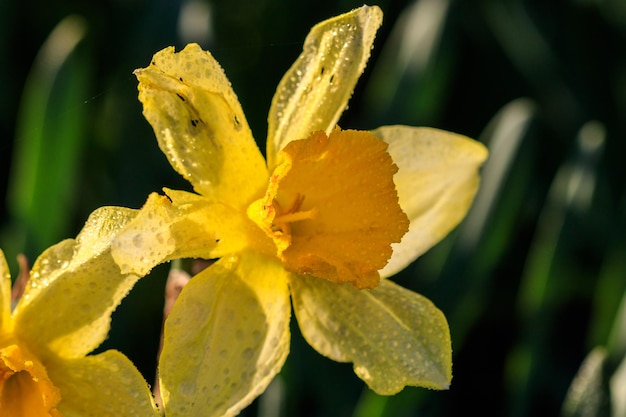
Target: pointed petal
[[184, 226], [394, 337], [103, 385], [226, 337], [5, 295], [437, 179], [200, 125], [316, 89], [74, 287]]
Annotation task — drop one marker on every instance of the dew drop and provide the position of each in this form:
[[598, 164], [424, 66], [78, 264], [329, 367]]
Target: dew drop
[[247, 353], [187, 388]]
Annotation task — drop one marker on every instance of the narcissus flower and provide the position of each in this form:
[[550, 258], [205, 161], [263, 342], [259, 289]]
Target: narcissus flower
[[327, 216], [64, 314]]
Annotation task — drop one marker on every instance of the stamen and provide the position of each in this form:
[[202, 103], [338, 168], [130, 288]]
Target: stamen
[[295, 206], [291, 214], [295, 217]]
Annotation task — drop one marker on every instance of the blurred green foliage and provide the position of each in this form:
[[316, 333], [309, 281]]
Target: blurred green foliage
[[533, 282]]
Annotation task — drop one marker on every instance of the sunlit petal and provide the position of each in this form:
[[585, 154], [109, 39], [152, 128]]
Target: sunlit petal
[[315, 90], [185, 225], [5, 295], [226, 337], [200, 125], [437, 179], [394, 337], [74, 287], [103, 385]]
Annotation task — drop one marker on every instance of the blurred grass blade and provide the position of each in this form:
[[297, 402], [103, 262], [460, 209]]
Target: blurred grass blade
[[272, 401], [606, 327], [534, 57], [543, 279], [617, 341], [195, 23], [618, 390], [599, 388], [503, 137], [370, 405], [50, 131], [571, 191], [404, 82], [490, 222], [587, 396], [408, 402]]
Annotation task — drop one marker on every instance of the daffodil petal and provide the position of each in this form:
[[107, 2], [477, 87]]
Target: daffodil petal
[[437, 179], [74, 287], [315, 90], [185, 225], [103, 385], [226, 337], [394, 337], [200, 125], [5, 295]]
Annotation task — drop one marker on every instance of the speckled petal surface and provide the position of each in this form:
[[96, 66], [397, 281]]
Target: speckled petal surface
[[185, 225], [437, 178], [315, 90], [74, 287], [200, 125], [103, 385], [394, 337], [226, 337]]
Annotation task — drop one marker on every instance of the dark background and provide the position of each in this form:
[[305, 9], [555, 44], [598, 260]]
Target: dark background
[[532, 282]]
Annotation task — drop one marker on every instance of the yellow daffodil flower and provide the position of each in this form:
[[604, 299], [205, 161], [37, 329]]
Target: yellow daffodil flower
[[327, 216], [64, 314]]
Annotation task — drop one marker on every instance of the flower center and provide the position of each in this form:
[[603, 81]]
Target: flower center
[[331, 207], [291, 214], [25, 390]]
